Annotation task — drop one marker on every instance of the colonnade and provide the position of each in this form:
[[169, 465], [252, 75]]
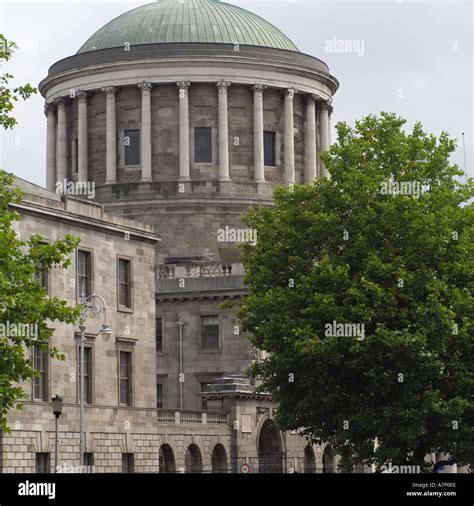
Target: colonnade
[[318, 112]]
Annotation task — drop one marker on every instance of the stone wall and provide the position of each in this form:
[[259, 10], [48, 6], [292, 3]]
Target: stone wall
[[234, 356]]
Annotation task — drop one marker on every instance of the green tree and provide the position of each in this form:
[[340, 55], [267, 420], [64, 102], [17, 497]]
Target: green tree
[[24, 304], [348, 249]]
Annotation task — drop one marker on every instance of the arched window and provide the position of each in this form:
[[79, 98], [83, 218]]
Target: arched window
[[329, 460], [309, 460], [193, 459], [167, 462], [219, 459], [269, 451]]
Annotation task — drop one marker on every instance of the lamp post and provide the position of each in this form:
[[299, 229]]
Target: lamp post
[[94, 304], [180, 324], [57, 410]]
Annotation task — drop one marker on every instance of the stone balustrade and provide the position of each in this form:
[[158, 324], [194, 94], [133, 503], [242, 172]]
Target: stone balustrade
[[192, 417], [199, 270]]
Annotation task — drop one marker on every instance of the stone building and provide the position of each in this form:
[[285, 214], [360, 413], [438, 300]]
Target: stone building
[[182, 114]]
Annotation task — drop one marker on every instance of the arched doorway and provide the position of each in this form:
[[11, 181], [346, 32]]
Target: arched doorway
[[193, 459], [166, 459], [309, 460], [269, 450], [219, 459], [329, 460]]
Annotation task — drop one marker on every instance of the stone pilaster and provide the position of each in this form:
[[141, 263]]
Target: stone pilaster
[[289, 137], [311, 147], [61, 140], [82, 136], [222, 87], [111, 134], [50, 111], [146, 131], [183, 88], [258, 133]]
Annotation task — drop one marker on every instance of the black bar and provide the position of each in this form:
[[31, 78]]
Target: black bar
[[241, 490]]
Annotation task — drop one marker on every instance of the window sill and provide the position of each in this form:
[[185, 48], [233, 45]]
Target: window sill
[[210, 351], [124, 309]]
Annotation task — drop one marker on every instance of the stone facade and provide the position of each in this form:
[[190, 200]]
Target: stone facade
[[209, 418]]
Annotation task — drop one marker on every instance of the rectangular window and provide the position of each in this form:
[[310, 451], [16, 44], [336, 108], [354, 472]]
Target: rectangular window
[[43, 464], [41, 275], [125, 378], [84, 273], [203, 145], [204, 388], [159, 335], [127, 463], [132, 147], [89, 462], [88, 377], [210, 332], [125, 283], [159, 395], [269, 148], [40, 365]]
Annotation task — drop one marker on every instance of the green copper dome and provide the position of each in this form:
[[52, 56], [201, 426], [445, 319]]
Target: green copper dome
[[188, 21]]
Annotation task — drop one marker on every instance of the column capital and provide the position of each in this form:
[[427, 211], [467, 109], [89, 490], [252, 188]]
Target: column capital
[[81, 94], [110, 90], [183, 85], [259, 88], [223, 85], [144, 86], [312, 97], [49, 107], [60, 101], [325, 103], [289, 93]]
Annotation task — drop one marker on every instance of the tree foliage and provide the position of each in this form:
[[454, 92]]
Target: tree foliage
[[344, 250], [24, 304]]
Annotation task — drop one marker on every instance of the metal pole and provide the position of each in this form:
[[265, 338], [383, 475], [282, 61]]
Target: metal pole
[[180, 323], [56, 447], [81, 399], [464, 150]]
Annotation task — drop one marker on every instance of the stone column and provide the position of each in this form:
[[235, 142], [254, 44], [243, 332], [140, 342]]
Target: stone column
[[111, 135], [258, 133], [324, 122], [50, 111], [330, 110], [82, 136], [183, 87], [146, 131], [62, 141], [289, 137], [311, 147], [222, 86]]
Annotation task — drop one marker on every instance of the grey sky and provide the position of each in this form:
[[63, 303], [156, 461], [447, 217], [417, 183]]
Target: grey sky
[[416, 60]]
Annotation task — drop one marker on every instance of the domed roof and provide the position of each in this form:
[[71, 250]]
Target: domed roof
[[178, 21]]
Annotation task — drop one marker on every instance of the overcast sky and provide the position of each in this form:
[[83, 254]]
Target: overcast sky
[[415, 58]]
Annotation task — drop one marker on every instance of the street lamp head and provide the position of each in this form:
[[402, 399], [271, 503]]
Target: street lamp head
[[106, 331], [57, 405]]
